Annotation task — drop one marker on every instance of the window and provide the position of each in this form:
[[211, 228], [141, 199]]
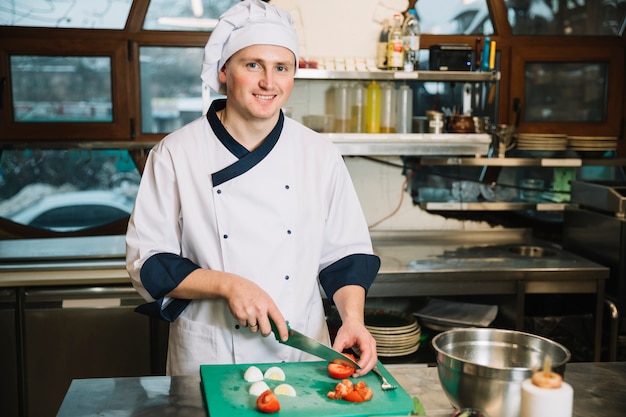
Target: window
[[171, 93], [67, 190], [191, 15], [580, 17], [574, 90], [565, 91], [103, 14], [61, 89], [458, 17], [74, 82]]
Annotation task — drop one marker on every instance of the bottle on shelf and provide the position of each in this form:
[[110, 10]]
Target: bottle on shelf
[[357, 108], [395, 49], [342, 108], [381, 51], [405, 109], [411, 41], [387, 108], [372, 108]]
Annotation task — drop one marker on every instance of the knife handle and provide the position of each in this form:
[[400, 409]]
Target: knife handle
[[275, 329]]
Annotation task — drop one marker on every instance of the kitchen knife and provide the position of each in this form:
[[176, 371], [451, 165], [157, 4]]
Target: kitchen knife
[[309, 345]]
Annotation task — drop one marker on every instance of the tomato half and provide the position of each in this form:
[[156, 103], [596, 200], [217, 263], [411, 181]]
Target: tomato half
[[340, 370], [267, 402]]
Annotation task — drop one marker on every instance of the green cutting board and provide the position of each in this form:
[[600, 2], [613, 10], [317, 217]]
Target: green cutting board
[[226, 392]]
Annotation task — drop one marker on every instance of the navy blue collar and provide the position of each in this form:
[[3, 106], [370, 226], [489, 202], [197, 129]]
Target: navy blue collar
[[247, 159]]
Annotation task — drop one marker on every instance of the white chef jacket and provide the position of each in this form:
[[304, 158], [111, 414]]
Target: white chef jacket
[[277, 215]]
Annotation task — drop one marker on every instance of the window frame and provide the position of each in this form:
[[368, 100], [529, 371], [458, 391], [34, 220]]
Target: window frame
[[74, 46], [612, 56]]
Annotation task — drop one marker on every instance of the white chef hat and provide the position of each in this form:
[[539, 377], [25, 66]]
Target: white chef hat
[[250, 22]]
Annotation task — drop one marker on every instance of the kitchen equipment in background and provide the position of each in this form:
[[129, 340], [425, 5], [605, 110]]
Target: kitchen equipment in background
[[531, 189], [591, 145], [460, 123], [465, 190], [503, 139], [396, 334], [485, 368], [9, 394], [450, 57], [80, 332], [342, 108], [541, 145], [322, 123], [482, 124], [404, 107], [357, 107], [435, 121], [442, 315], [596, 229], [388, 110], [226, 392]]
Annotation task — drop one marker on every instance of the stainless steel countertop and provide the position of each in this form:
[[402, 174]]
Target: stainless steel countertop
[[474, 257], [598, 391]]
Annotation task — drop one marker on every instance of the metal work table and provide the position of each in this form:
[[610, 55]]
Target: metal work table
[[598, 390], [414, 264]]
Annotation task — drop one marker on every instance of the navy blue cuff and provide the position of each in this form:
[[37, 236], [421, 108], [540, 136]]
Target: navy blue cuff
[[169, 313], [160, 274], [357, 269]]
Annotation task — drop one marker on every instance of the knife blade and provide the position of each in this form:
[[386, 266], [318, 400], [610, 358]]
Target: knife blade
[[309, 345]]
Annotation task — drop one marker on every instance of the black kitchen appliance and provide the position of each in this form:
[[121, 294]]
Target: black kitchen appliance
[[450, 57], [596, 229]]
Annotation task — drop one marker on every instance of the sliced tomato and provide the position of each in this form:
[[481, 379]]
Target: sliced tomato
[[340, 370], [353, 397], [267, 402]]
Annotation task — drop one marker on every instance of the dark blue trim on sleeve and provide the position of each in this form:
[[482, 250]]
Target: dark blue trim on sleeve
[[357, 269], [160, 274], [169, 313]]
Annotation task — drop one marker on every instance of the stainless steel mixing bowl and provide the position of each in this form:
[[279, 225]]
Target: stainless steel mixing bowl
[[483, 368]]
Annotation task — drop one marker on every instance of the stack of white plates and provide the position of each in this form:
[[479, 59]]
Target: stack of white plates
[[442, 315], [396, 334], [592, 143], [541, 142]]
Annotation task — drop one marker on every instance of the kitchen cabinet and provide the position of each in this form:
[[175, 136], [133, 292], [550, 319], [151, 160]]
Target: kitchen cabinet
[[9, 381], [80, 332]]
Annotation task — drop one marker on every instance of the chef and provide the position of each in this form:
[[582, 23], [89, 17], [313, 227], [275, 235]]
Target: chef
[[243, 213]]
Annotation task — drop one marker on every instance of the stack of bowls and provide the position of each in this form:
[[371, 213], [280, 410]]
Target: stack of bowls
[[396, 334]]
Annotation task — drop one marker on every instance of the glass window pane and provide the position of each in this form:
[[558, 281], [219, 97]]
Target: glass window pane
[[65, 190], [457, 17], [171, 88], [61, 89], [104, 14], [565, 92], [581, 17], [190, 15]]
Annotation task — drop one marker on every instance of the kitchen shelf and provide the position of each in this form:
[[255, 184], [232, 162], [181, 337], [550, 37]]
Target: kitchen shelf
[[492, 206], [410, 143], [377, 74], [349, 144], [522, 162]]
